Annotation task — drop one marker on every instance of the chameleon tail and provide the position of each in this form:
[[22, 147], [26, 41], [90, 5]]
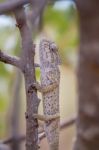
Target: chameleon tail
[[52, 134]]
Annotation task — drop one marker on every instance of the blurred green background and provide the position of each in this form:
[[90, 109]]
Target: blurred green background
[[59, 23]]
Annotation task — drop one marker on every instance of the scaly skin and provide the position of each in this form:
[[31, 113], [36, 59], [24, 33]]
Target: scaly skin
[[50, 79], [50, 74]]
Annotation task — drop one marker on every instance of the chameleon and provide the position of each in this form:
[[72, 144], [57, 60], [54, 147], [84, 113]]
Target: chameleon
[[49, 87]]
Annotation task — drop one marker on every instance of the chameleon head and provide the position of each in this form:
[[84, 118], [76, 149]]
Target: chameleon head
[[49, 52]]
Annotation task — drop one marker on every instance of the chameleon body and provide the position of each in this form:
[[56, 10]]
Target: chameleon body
[[50, 78]]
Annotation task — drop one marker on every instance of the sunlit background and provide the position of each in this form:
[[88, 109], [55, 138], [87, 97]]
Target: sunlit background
[[59, 23]]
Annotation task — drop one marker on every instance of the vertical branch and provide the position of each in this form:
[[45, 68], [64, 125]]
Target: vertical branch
[[27, 65], [16, 112], [27, 62], [34, 17], [88, 76]]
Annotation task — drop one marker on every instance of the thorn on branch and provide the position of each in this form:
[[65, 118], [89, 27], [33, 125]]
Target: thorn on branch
[[19, 25], [31, 88], [27, 116]]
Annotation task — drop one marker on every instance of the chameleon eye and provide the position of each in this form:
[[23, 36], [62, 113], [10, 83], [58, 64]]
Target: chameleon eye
[[53, 47]]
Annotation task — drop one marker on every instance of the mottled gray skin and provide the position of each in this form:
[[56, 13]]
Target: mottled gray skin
[[50, 76]]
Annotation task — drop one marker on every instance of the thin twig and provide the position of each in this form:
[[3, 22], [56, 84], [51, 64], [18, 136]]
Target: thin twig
[[19, 138], [12, 60], [16, 108], [38, 10], [67, 122]]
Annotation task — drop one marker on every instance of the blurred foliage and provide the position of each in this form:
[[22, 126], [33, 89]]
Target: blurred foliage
[[60, 25], [3, 71], [3, 103], [37, 73]]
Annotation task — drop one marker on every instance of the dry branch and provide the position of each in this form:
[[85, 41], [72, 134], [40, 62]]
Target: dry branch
[[19, 138], [37, 9], [63, 125], [7, 6], [12, 60], [27, 62]]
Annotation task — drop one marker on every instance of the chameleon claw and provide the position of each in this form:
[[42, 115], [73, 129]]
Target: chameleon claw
[[36, 86], [32, 87]]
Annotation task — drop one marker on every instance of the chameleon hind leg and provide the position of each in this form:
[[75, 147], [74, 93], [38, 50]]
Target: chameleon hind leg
[[47, 117], [41, 89]]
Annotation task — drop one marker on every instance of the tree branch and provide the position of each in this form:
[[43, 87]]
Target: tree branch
[[12, 60], [19, 138], [64, 124], [27, 62], [37, 9], [7, 6]]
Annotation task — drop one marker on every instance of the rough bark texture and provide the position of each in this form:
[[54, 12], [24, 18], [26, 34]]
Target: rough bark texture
[[88, 76], [27, 62]]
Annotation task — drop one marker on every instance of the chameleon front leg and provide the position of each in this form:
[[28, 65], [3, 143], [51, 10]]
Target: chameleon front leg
[[42, 89], [47, 117]]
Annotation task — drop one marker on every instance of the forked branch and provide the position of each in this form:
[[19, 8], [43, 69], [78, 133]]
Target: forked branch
[[12, 60]]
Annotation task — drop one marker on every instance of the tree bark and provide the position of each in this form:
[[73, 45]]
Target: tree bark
[[88, 76], [27, 65]]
